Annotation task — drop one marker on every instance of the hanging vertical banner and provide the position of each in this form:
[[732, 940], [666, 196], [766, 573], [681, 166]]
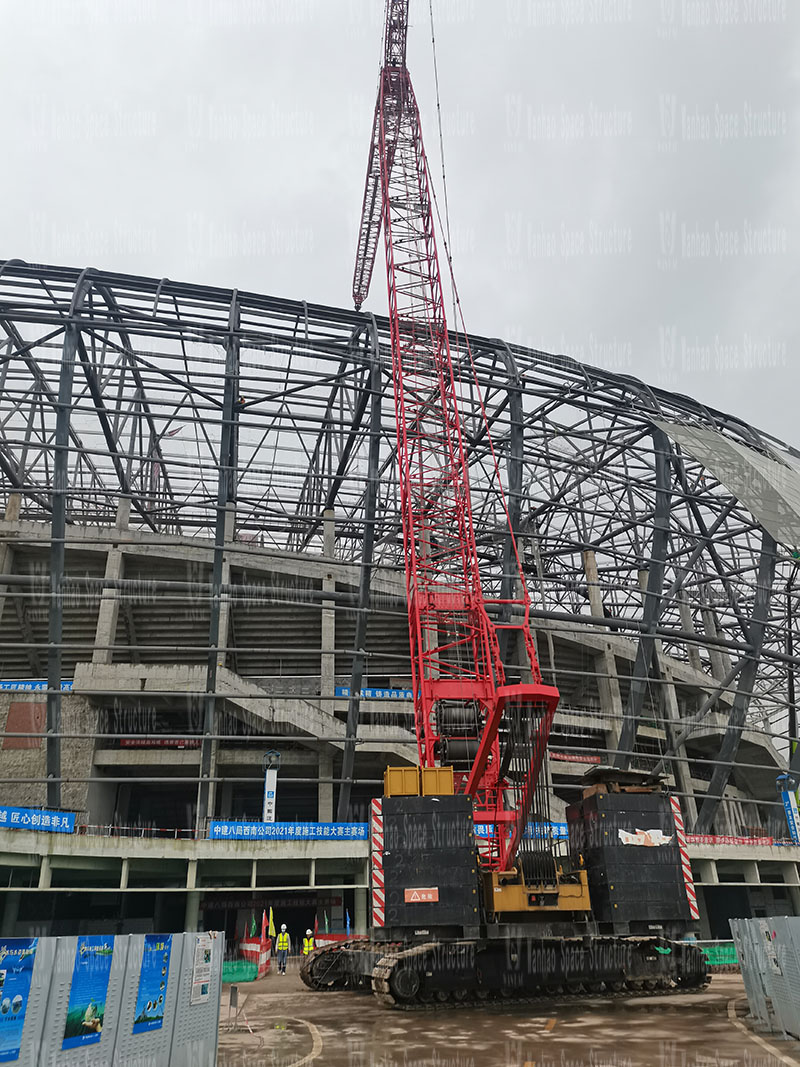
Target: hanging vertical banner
[[792, 816], [270, 789], [153, 978], [87, 994], [201, 969], [17, 955]]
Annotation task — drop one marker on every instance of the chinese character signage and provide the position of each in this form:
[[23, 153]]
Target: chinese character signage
[[31, 685], [59, 822], [726, 839], [201, 969], [558, 830], [288, 831], [87, 995], [792, 817], [153, 978], [17, 955], [428, 895], [375, 694], [270, 789]]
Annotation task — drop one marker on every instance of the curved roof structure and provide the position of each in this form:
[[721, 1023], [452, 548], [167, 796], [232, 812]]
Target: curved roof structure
[[634, 507]]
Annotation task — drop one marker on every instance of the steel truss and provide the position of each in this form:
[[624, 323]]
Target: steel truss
[[209, 407]]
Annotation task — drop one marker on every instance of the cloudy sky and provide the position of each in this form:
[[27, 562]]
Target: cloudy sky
[[623, 175]]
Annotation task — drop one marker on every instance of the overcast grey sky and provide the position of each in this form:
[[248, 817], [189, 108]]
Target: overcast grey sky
[[623, 175]]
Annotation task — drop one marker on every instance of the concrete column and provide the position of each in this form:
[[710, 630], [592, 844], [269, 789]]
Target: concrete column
[[10, 912], [191, 874], [720, 661], [360, 917], [610, 697], [325, 789], [108, 612], [707, 869], [327, 658], [226, 800], [124, 873], [6, 550], [687, 624], [44, 873], [123, 805], [312, 872], [593, 582], [13, 507], [790, 876], [158, 911], [191, 915], [752, 875]]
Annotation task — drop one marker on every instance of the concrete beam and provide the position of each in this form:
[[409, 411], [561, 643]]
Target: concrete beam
[[24, 848]]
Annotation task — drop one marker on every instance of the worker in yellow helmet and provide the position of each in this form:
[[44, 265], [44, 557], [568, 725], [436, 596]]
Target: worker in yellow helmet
[[282, 945], [308, 943]]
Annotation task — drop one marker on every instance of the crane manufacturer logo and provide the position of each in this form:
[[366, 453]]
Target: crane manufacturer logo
[[650, 838]]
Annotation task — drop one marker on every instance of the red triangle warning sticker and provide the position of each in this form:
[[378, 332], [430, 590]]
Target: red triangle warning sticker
[[429, 894]]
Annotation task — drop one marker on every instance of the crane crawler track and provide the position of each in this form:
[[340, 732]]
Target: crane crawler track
[[437, 976]]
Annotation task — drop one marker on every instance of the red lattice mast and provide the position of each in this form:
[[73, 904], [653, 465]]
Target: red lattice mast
[[461, 699]]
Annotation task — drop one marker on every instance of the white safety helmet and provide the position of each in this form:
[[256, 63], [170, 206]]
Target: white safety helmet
[[283, 928], [308, 933]]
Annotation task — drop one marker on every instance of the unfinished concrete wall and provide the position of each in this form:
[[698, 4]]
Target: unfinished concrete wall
[[24, 758]]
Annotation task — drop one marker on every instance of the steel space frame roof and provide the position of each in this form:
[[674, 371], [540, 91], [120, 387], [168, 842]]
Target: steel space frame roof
[[191, 399]]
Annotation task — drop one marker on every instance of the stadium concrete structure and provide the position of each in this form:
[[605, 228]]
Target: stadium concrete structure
[[201, 561]]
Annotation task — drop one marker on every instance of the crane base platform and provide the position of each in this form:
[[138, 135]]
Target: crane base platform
[[458, 972]]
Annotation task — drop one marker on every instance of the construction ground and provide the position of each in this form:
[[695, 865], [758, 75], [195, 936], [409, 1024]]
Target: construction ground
[[280, 1022]]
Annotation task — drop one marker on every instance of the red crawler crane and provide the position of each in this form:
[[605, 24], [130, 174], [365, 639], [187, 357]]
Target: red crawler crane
[[525, 923], [494, 734]]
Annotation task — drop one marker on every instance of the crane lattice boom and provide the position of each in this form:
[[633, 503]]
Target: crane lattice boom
[[468, 713]]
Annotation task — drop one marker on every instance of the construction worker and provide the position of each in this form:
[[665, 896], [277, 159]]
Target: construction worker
[[282, 945], [308, 943]]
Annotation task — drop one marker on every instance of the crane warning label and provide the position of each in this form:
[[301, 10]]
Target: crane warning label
[[418, 896]]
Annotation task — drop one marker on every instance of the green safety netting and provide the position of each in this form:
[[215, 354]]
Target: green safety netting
[[239, 971]]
